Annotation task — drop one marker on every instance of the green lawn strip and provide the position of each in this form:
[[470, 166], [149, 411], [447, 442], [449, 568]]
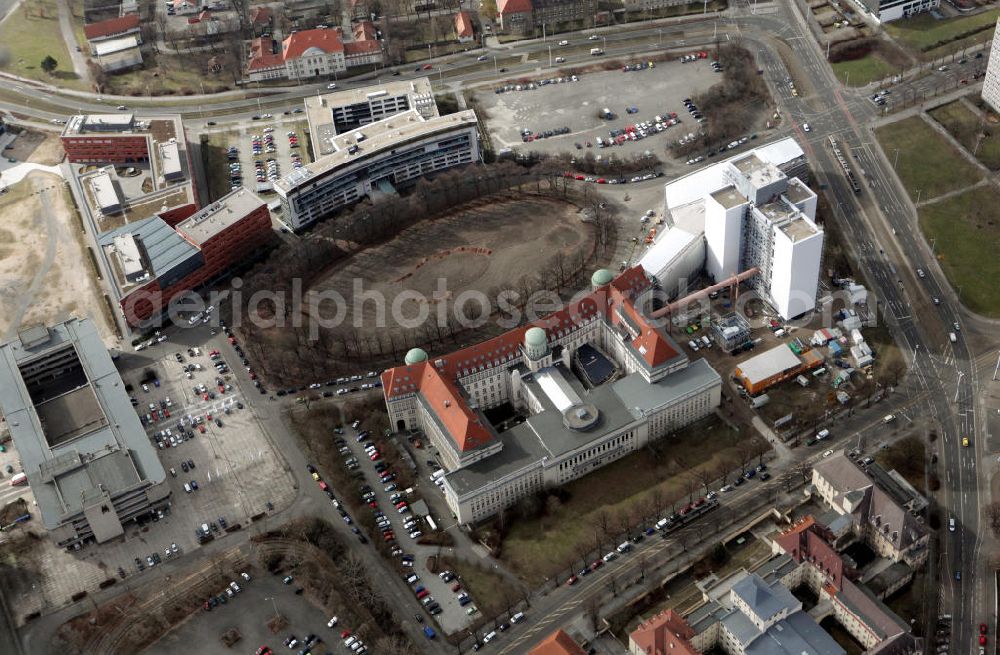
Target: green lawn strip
[[859, 72], [29, 34], [926, 162], [922, 32], [966, 233], [539, 548], [976, 136]]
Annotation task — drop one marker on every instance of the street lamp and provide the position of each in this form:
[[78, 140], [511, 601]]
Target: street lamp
[[550, 56]]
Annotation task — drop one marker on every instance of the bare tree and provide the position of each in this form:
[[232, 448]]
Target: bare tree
[[592, 610]]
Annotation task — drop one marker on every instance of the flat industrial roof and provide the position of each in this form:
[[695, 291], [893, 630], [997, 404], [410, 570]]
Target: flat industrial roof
[[665, 249], [694, 186], [382, 135], [221, 214], [642, 397], [170, 159], [121, 432], [769, 363], [319, 108], [729, 197], [104, 190], [164, 247], [111, 46]]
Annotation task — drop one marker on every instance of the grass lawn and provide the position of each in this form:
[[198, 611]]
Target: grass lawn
[[926, 162], [542, 547], [859, 72], [30, 33], [491, 592], [216, 163], [966, 228], [167, 75], [964, 124], [923, 33]]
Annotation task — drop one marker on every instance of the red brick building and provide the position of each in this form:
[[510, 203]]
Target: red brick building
[[155, 263], [114, 138]]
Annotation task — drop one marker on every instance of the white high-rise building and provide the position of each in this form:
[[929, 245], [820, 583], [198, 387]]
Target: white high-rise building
[[991, 83], [753, 212]]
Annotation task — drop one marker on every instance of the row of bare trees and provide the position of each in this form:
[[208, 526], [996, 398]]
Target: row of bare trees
[[731, 105], [302, 350]]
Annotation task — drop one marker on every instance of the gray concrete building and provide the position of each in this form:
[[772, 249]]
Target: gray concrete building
[[89, 463]]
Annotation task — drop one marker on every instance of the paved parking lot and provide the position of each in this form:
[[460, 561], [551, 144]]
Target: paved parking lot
[[236, 469], [576, 105], [453, 617], [249, 612], [282, 131]]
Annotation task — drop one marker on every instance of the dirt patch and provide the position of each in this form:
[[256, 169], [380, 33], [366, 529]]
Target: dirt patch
[[473, 249], [40, 219], [31, 146]]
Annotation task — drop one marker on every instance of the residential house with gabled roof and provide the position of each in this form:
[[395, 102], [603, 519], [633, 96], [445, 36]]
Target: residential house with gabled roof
[[464, 30], [593, 382], [557, 643], [306, 54], [113, 28], [514, 16], [883, 512]]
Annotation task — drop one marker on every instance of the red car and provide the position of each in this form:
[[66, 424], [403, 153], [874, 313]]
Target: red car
[[345, 634], [166, 413], [596, 565], [232, 340], [427, 67], [982, 640], [572, 580], [263, 650], [422, 593], [456, 587], [201, 428]]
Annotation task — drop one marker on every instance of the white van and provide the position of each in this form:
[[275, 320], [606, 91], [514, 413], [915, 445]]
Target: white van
[[822, 434], [889, 418], [517, 618], [489, 637], [624, 547], [187, 487]]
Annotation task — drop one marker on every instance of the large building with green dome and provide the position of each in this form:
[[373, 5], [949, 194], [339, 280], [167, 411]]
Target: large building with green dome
[[566, 395]]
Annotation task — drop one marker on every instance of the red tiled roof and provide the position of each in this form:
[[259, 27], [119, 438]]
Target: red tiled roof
[[557, 643], [361, 47], [260, 15], [667, 633], [261, 57], [365, 31], [111, 26], [463, 24], [327, 40], [600, 303], [505, 7]]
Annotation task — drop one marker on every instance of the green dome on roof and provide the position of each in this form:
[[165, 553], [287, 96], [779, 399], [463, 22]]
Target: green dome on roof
[[415, 356], [535, 337], [601, 277]]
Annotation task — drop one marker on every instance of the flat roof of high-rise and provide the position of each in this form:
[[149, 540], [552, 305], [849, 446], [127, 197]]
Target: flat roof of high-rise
[[220, 215], [382, 135], [319, 108], [75, 433]]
